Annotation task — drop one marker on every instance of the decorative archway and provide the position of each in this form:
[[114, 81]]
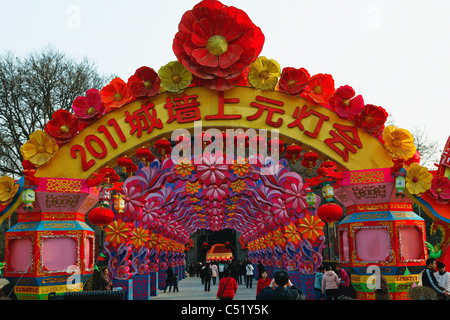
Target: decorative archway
[[165, 200]]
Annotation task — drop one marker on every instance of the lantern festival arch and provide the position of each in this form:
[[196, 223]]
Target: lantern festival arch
[[220, 87]]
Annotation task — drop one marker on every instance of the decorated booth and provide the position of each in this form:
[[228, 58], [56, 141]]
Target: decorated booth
[[219, 138], [219, 253]]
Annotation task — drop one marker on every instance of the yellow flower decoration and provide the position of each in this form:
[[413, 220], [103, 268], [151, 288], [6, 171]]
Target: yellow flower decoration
[[238, 186], [192, 187], [8, 189], [117, 232], [311, 227], [39, 149], [174, 77], [418, 179], [264, 73], [240, 166], [278, 238], [399, 142], [139, 237], [184, 167], [291, 233], [153, 240]]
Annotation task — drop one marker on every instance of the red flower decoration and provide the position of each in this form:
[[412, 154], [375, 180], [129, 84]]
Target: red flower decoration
[[63, 126], [89, 108], [440, 189], [293, 81], [217, 43], [371, 119], [115, 94], [319, 89], [144, 83], [345, 103]]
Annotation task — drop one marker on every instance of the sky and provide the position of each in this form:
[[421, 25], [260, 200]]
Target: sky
[[396, 54]]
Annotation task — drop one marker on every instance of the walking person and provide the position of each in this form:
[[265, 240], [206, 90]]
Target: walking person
[[175, 283], [263, 282], [221, 269], [330, 284], [169, 278], [227, 287], [249, 274], [214, 273], [206, 275], [318, 283]]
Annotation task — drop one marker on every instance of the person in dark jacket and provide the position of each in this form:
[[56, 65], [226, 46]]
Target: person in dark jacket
[[429, 280], [206, 275], [169, 278], [281, 288]]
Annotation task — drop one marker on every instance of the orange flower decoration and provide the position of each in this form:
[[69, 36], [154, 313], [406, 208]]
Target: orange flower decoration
[[139, 237], [184, 167], [291, 233], [278, 238], [240, 167], [153, 240], [319, 89], [118, 232], [311, 227], [115, 94]]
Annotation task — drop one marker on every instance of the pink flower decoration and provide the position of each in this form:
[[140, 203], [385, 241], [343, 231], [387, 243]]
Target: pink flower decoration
[[150, 214], [440, 189], [213, 169], [280, 211], [89, 108], [345, 103], [295, 197], [216, 192], [132, 203]]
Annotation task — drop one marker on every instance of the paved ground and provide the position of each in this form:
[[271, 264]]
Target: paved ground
[[191, 288]]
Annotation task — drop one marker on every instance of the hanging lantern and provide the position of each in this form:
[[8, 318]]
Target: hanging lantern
[[145, 155], [400, 185], [28, 198], [328, 192], [258, 142], [164, 147], [330, 213], [293, 153], [276, 145], [119, 203], [311, 198], [309, 160], [241, 140], [204, 138], [101, 216]]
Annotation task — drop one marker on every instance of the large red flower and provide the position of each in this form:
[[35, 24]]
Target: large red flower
[[63, 126], [440, 189], [217, 43], [319, 89], [144, 83], [371, 119], [115, 94], [345, 103], [293, 81], [89, 108]]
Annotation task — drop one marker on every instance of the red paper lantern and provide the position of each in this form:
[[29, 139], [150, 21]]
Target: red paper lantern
[[330, 212], [258, 141], [310, 159], [163, 146], [101, 216], [276, 145], [241, 140], [124, 162], [145, 155], [293, 152]]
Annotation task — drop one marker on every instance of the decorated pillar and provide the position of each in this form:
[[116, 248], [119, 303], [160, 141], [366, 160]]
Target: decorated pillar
[[380, 233], [51, 248]]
